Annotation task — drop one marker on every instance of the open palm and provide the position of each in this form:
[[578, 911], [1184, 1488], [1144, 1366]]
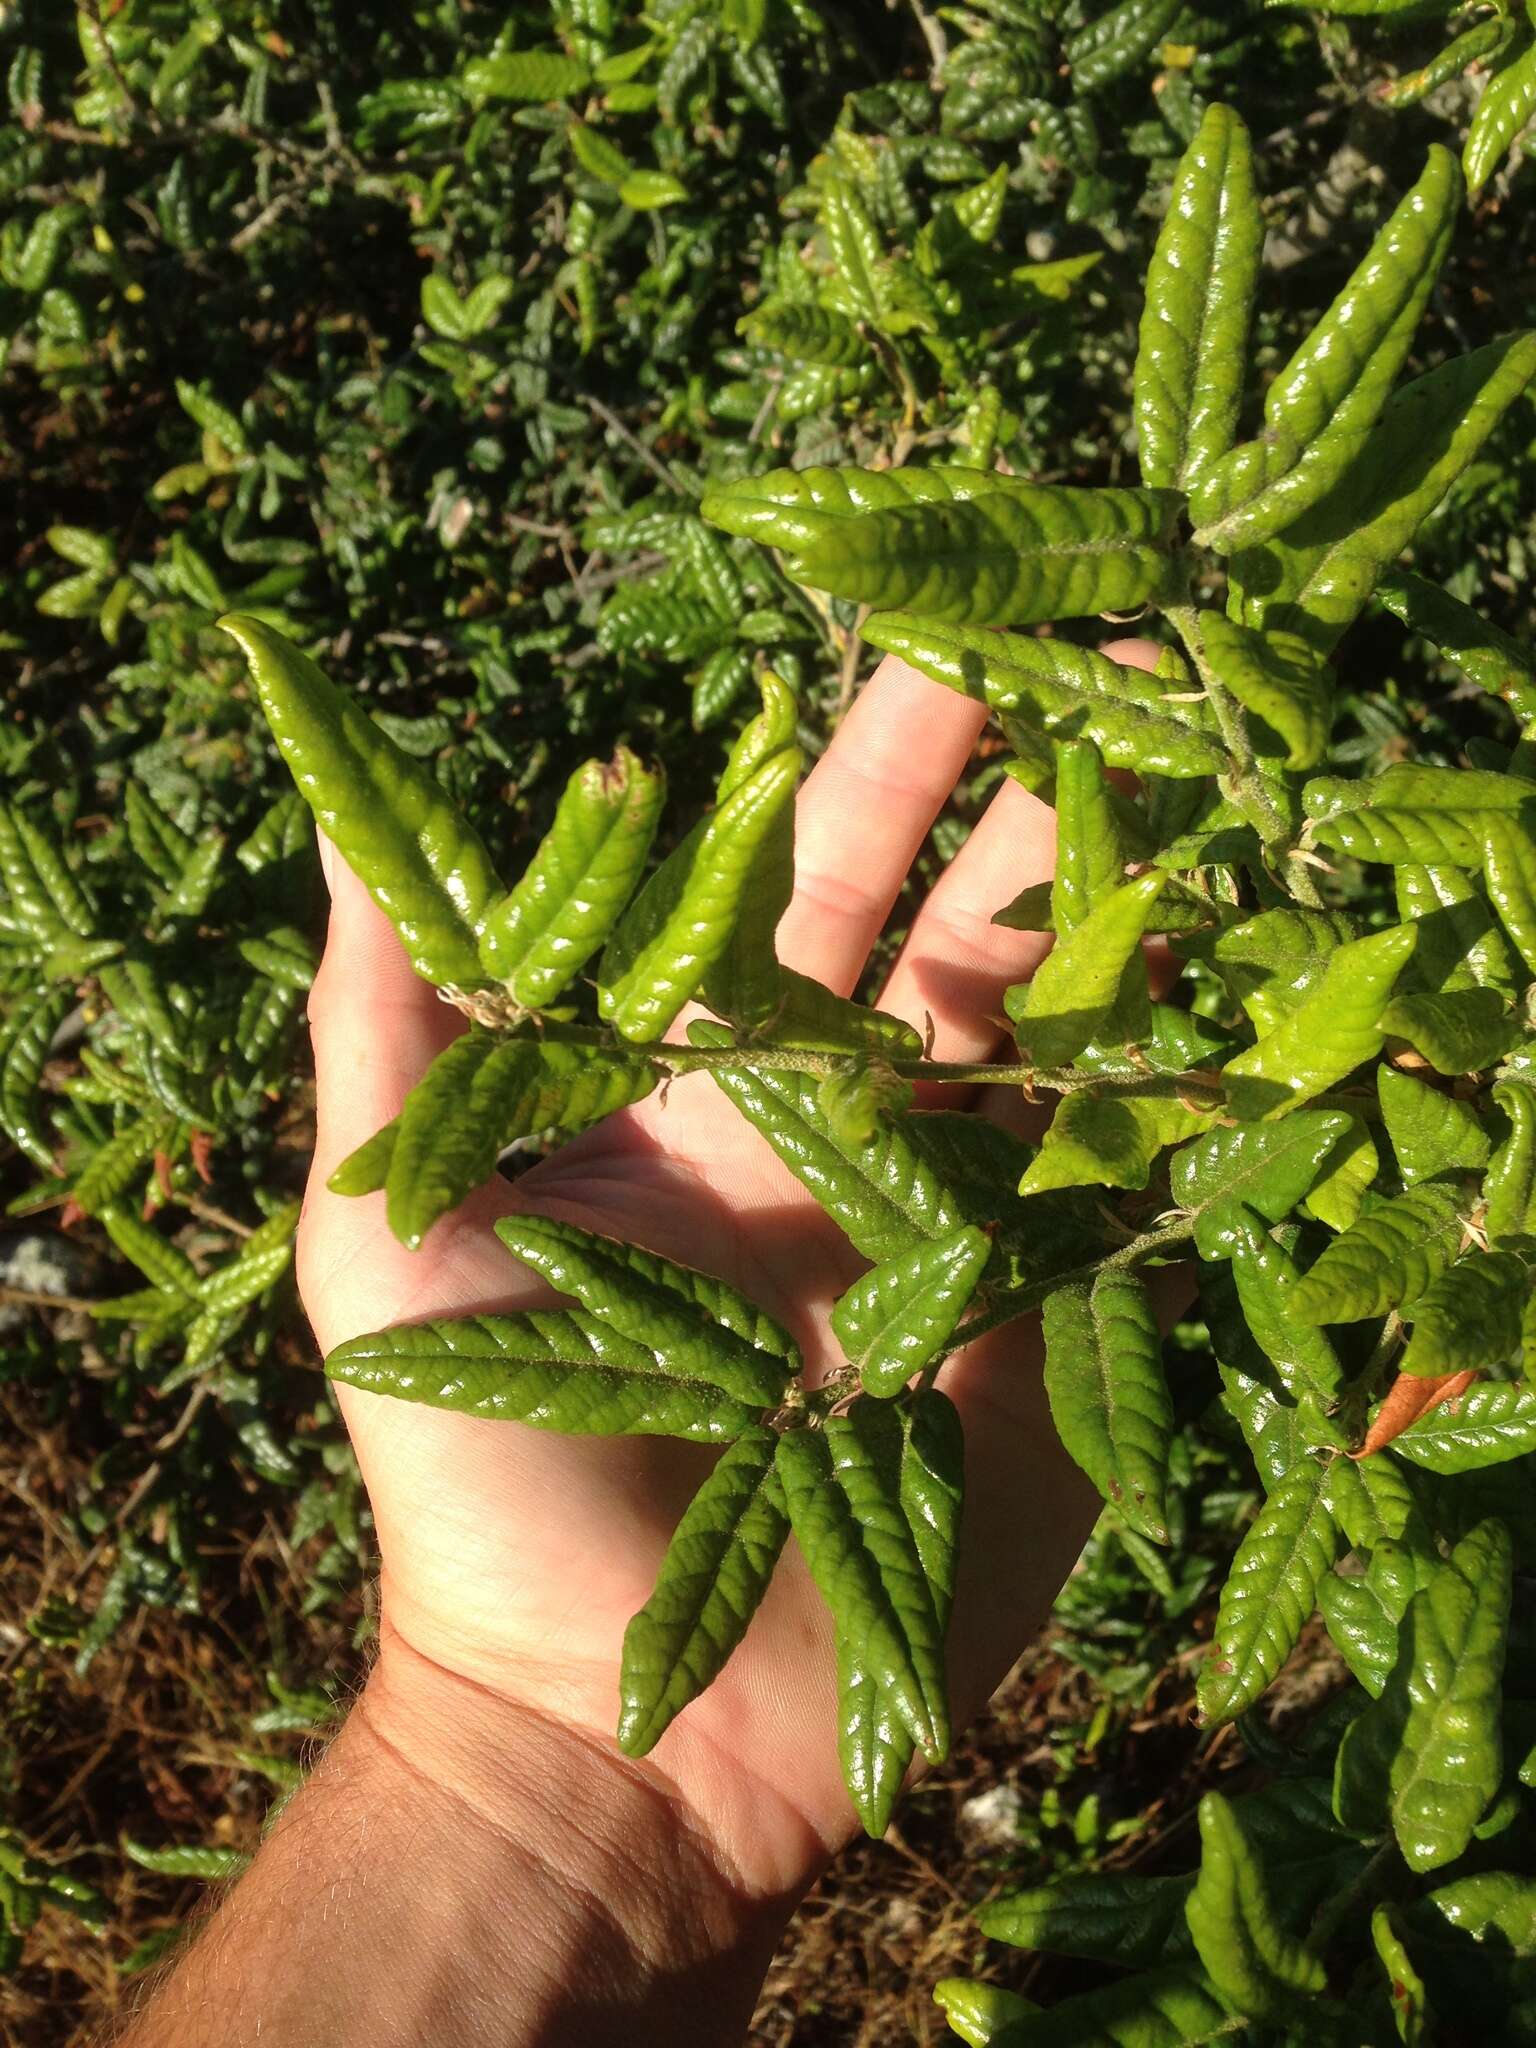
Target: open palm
[[514, 1557]]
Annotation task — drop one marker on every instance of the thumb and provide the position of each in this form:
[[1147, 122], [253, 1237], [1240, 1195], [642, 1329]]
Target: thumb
[[375, 1025]]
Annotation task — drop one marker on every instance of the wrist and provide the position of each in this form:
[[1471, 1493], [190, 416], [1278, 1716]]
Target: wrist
[[618, 1917]]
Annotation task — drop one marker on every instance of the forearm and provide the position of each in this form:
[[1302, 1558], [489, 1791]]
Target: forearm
[[457, 1872]]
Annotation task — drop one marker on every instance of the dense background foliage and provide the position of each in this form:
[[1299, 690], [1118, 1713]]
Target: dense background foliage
[[422, 325]]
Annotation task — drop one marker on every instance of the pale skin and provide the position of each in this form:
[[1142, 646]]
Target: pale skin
[[474, 1860]]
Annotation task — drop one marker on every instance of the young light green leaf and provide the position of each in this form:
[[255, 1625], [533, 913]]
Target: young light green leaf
[[1458, 1031], [1258, 1969], [854, 1503], [746, 984], [1484, 653], [1460, 944], [1363, 1613], [366, 1170], [704, 1328], [1067, 690], [1110, 1140], [1272, 961], [551, 1368], [1509, 875], [1078, 983], [714, 1575], [978, 2012], [1510, 1186], [1469, 1317], [1278, 677], [1432, 1132], [1316, 577], [1507, 104], [537, 939], [1388, 1257], [809, 1014], [422, 863], [1413, 813], [1488, 1424], [1268, 1168], [1270, 1592], [1322, 406], [1349, 1172], [1331, 1032], [1266, 1278], [1425, 1758], [897, 1319], [1109, 1399], [1194, 327]]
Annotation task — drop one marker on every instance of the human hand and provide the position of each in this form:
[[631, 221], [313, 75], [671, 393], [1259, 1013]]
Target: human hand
[[513, 1558]]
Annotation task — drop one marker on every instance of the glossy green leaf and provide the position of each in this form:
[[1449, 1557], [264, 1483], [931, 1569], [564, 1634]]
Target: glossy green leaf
[[1363, 1613], [1276, 676], [704, 1328], [154, 835], [1270, 1592], [1469, 1317], [1258, 1969], [714, 1575], [24, 1044], [885, 1195], [1173, 2007], [1272, 961], [1425, 1757], [551, 1368], [1090, 862], [809, 1014], [1109, 1140], [979, 2013], [1266, 1278], [422, 863], [1406, 1989], [1069, 691], [40, 887], [1108, 1396], [1321, 407], [873, 1746], [1510, 1186], [160, 1261], [999, 559], [793, 508], [1460, 944], [1348, 1174], [1509, 874], [476, 1098], [1194, 327], [1116, 40], [1413, 813], [527, 75], [366, 1170], [1110, 1916], [746, 984], [808, 333], [1508, 101], [537, 939], [874, 1500], [898, 1318], [1388, 1257], [1488, 1424], [682, 922], [1330, 1033], [1078, 983], [1459, 1031], [1265, 1168], [1432, 1132], [1316, 577], [1484, 653]]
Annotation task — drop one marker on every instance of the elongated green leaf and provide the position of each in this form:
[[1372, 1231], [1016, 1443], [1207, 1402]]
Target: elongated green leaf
[[1460, 944], [1390, 1256], [366, 1170], [1258, 1969], [1266, 1279], [155, 1256], [1510, 1187], [1432, 1133], [873, 1746], [1078, 983], [475, 1098], [1068, 690], [1270, 1592], [682, 922], [523, 75], [857, 1491], [537, 939], [1468, 1317], [1459, 1031], [1486, 1425], [1363, 1613], [1413, 813], [40, 886], [154, 835], [261, 1262], [1331, 1032], [791, 508], [746, 983], [898, 1318], [1277, 676], [715, 1573], [1110, 1140], [1194, 328], [1425, 1758], [1484, 653], [1107, 47], [1109, 1400], [811, 1015], [1507, 104], [1271, 962], [1267, 1168], [1349, 1172], [1317, 576], [1005, 558], [23, 1055], [1111, 1917], [1509, 874], [422, 863], [704, 1328], [1174, 2007], [885, 1195], [979, 2012], [1322, 406], [552, 1368]]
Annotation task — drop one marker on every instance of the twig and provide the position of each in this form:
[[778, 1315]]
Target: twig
[[615, 425], [26, 1297]]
